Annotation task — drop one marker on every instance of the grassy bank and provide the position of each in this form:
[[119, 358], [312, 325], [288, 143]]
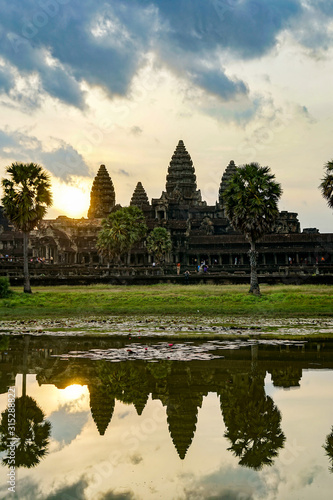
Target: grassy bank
[[205, 300]]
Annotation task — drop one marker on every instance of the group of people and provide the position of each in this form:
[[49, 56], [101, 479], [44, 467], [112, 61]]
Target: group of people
[[7, 257], [202, 268]]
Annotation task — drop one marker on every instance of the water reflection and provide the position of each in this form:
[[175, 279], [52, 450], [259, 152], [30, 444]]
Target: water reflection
[[328, 447], [32, 433], [253, 421], [254, 427], [25, 425]]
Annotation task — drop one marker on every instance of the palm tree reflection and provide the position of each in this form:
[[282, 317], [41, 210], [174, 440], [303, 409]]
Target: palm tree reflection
[[328, 447], [253, 422], [31, 432]]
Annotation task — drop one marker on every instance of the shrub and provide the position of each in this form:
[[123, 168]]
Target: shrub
[[4, 287]]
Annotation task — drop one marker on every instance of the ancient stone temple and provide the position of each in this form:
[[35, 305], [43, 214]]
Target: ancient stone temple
[[199, 232], [102, 196]]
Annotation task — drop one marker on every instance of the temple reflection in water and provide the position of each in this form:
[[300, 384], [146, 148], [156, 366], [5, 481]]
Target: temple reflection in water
[[252, 420]]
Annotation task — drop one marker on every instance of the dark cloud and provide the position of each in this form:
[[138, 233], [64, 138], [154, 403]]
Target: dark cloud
[[121, 171], [225, 484], [136, 459], [28, 489], [67, 42], [248, 27], [69, 492], [215, 82], [135, 130], [312, 29], [63, 161], [124, 414], [6, 80], [110, 495]]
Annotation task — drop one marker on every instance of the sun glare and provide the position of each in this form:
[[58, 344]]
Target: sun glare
[[74, 391], [71, 201]]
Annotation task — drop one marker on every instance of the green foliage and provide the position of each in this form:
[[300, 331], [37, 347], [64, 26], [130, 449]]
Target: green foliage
[[251, 200], [32, 433], [4, 287], [121, 230], [27, 195], [159, 243], [326, 185]]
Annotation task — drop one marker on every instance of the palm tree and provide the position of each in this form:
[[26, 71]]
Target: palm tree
[[159, 243], [326, 185], [251, 204], [121, 230], [27, 196]]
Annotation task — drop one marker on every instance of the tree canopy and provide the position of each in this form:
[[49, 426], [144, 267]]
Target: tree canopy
[[326, 185], [121, 230], [159, 243], [250, 201], [27, 195]]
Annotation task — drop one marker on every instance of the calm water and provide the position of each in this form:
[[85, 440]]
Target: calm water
[[99, 419]]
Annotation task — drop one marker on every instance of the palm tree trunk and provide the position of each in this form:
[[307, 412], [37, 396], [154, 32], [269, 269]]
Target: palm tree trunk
[[27, 288], [254, 285]]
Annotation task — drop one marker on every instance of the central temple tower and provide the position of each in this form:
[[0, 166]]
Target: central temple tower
[[181, 185], [102, 195]]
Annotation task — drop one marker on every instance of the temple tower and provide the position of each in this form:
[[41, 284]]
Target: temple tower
[[102, 403], [102, 195], [139, 197], [181, 186], [229, 172]]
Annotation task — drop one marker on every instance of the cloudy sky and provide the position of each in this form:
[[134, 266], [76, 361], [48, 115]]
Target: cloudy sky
[[119, 82]]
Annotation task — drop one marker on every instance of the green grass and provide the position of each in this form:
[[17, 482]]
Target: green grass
[[165, 299]]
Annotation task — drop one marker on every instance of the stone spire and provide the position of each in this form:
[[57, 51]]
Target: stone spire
[[139, 197], [182, 415], [102, 403], [229, 172], [181, 183], [102, 195]]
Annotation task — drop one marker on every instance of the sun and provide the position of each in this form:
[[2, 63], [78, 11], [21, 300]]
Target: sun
[[74, 391], [71, 200]]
